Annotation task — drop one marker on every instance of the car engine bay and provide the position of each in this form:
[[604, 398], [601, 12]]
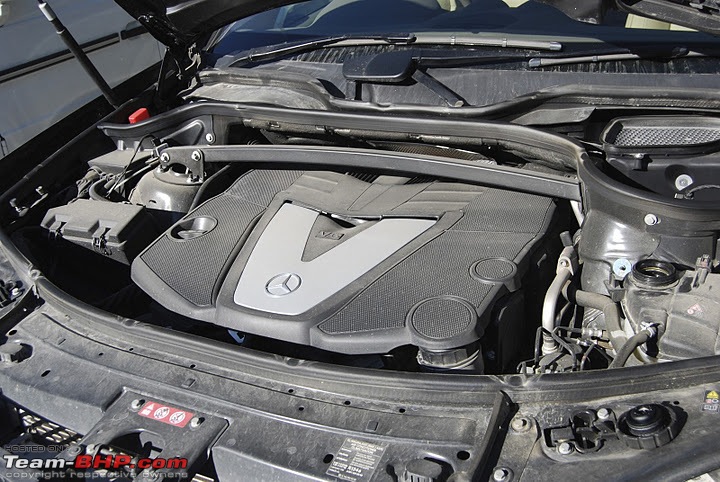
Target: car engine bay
[[399, 252]]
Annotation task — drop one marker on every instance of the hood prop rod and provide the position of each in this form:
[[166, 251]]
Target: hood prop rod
[[78, 52]]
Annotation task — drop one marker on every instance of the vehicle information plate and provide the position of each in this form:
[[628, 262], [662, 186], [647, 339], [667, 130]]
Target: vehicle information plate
[[356, 461]]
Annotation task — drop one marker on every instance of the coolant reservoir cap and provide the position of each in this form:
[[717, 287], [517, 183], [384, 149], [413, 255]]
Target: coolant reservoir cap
[[648, 426], [645, 418]]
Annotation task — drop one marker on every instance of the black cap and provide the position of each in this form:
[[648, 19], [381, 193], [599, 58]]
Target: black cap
[[648, 426]]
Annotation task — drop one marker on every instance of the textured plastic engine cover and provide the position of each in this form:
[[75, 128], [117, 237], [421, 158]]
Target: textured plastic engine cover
[[351, 264]]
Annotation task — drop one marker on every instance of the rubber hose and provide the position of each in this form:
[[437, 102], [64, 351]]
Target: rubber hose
[[610, 310], [628, 348], [204, 187]]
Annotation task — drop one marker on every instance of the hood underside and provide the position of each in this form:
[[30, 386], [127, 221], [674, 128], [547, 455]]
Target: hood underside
[[180, 23]]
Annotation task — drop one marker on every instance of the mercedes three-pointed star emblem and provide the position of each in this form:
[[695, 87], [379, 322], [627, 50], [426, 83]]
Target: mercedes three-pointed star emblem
[[283, 284]]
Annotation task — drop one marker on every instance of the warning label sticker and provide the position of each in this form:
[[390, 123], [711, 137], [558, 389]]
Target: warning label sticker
[[356, 461], [163, 413], [712, 401]]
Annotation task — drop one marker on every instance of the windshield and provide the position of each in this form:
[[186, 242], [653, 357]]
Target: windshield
[[322, 18]]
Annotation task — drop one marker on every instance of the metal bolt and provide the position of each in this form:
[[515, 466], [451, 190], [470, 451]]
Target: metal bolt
[[651, 220], [196, 422], [564, 263], [16, 292], [196, 156], [622, 267], [604, 414], [74, 450], [683, 181], [164, 157], [137, 403], [501, 474], [565, 448], [210, 137], [520, 424]]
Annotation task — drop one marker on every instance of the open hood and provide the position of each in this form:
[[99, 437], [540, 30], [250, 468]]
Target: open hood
[[180, 23]]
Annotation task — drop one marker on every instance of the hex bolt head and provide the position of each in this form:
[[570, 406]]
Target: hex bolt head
[[196, 156], [502, 474], [565, 448], [137, 403], [210, 137], [196, 422], [604, 413], [651, 220], [164, 157], [520, 424]]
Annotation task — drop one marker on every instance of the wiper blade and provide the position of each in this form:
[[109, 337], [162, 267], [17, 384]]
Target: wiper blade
[[645, 53], [452, 39], [337, 40]]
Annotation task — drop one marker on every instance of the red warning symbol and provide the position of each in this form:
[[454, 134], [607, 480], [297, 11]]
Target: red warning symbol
[[165, 414], [148, 409]]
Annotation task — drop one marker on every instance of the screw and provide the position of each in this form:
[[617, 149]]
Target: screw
[[16, 292], [622, 267], [604, 414], [210, 137], [683, 181], [565, 448], [564, 263], [164, 157], [74, 450], [520, 424], [196, 422], [501, 474], [196, 156], [137, 403], [651, 220]]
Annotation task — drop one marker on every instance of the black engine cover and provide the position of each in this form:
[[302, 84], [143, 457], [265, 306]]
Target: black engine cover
[[347, 263]]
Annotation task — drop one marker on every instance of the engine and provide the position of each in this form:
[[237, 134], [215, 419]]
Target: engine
[[349, 264], [428, 272]]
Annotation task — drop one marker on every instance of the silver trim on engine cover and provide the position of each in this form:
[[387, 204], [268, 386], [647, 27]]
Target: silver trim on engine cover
[[280, 249]]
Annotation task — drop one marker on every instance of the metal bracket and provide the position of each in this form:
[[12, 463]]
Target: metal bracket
[[122, 418], [568, 260], [195, 163]]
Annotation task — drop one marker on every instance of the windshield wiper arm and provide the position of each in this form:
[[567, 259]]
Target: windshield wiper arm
[[645, 53], [475, 40], [337, 40], [461, 40]]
